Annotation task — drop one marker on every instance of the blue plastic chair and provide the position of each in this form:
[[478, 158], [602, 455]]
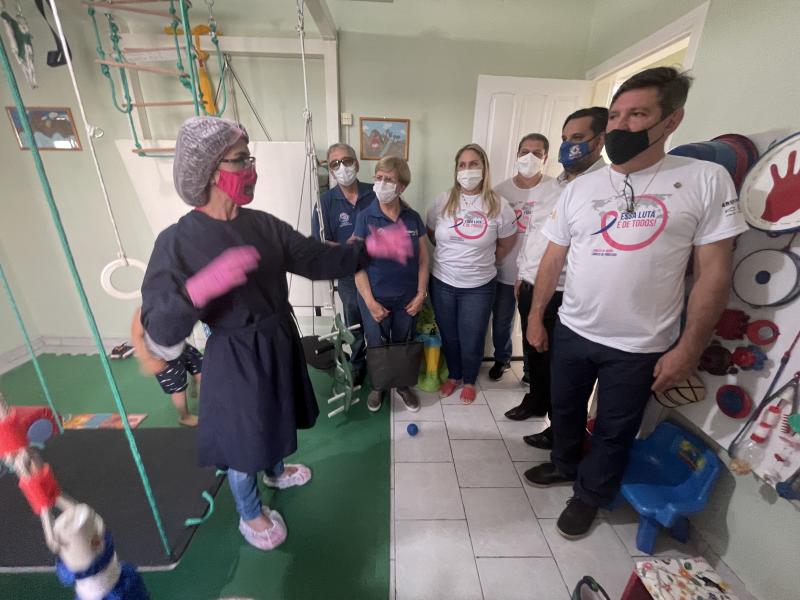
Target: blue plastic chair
[[670, 475]]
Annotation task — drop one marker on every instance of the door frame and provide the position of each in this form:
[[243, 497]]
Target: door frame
[[689, 25]]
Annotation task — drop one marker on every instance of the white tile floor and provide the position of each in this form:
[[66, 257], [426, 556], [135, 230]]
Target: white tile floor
[[465, 525]]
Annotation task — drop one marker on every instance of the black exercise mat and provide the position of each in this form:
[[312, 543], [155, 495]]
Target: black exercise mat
[[95, 466]]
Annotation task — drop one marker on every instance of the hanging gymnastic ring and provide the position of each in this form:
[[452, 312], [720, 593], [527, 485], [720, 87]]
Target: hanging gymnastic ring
[[108, 271]]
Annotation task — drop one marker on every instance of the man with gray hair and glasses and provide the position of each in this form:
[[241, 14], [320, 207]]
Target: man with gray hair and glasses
[[339, 207]]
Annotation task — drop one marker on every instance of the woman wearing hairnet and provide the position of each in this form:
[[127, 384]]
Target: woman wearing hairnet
[[226, 265]]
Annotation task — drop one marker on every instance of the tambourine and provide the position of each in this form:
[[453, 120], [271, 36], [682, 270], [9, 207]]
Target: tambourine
[[770, 194], [767, 278]]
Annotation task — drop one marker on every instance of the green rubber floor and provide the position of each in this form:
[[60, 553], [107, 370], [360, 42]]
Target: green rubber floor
[[338, 545]]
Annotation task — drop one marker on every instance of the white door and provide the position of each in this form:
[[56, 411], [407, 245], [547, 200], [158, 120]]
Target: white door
[[507, 108]]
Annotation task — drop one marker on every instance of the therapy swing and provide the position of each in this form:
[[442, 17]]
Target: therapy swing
[[145, 503], [93, 133]]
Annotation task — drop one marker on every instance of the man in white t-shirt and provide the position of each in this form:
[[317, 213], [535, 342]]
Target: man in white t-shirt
[[627, 233], [580, 152], [520, 191]]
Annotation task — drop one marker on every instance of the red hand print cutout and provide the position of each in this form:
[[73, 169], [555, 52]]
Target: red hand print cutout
[[784, 197]]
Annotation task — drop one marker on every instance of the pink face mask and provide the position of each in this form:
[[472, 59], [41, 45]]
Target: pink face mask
[[239, 185]]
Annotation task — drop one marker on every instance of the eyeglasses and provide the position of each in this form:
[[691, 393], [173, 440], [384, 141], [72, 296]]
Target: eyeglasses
[[629, 195], [245, 161], [347, 162]]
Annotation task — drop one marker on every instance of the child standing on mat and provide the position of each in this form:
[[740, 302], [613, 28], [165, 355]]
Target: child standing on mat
[[172, 374]]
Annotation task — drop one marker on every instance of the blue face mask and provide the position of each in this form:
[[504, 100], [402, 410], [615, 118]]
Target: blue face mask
[[571, 152]]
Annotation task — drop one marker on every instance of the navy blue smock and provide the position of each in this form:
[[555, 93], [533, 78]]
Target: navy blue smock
[[256, 391]]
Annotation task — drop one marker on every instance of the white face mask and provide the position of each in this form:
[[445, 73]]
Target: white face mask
[[469, 179], [345, 175], [529, 165], [385, 191]]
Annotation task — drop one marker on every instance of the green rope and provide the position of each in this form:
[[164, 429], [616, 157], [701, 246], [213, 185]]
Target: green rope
[[123, 76], [104, 68], [48, 193], [200, 520], [212, 23], [192, 66], [28, 344], [184, 79]]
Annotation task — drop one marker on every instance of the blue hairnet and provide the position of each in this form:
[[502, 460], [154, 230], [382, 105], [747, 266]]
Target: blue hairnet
[[201, 144]]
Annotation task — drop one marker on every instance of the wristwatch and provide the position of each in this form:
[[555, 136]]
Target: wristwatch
[[423, 292]]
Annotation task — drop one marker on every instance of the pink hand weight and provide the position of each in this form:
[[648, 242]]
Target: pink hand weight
[[221, 275]]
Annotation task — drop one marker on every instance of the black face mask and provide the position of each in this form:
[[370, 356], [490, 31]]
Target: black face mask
[[623, 145]]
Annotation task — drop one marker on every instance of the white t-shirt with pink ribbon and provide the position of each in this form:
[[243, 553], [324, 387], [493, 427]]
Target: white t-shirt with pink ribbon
[[465, 243], [525, 202], [625, 271]]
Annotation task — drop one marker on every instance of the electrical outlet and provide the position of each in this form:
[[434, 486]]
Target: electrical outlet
[[347, 118]]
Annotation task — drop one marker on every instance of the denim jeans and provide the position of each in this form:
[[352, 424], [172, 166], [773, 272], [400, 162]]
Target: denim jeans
[[463, 318], [244, 487], [503, 321], [352, 316], [623, 388], [397, 327]]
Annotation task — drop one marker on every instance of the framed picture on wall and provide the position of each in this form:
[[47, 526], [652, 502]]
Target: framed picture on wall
[[383, 137], [53, 128]]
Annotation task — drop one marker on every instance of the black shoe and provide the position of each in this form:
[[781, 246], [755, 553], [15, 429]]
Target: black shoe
[[544, 475], [576, 519], [525, 380], [520, 413], [526, 409], [497, 370], [543, 439]]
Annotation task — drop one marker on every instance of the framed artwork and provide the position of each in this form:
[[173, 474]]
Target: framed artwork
[[53, 128], [383, 137]]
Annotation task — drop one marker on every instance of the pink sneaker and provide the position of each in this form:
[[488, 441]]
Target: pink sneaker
[[300, 476], [269, 539]]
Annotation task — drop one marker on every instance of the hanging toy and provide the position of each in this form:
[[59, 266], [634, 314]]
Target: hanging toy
[[716, 360], [751, 454], [762, 332], [750, 358], [21, 41], [734, 401], [86, 557], [732, 324]]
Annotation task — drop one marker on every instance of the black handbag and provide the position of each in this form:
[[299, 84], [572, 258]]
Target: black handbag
[[394, 365]]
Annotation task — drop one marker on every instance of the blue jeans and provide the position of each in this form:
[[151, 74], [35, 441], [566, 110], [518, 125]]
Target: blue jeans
[[399, 326], [623, 388], [244, 487], [503, 322], [463, 318]]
